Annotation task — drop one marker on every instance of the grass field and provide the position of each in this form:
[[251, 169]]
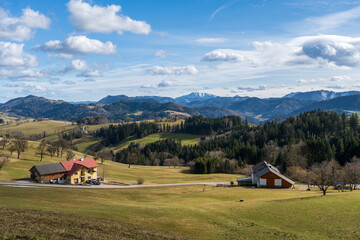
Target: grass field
[[186, 139], [189, 212], [50, 127]]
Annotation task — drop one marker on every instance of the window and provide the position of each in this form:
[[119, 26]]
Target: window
[[262, 182], [89, 178], [89, 171], [277, 182]]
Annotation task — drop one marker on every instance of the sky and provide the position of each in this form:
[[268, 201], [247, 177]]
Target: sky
[[84, 50]]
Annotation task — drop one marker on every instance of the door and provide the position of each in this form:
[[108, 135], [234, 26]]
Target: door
[[277, 182], [76, 180]]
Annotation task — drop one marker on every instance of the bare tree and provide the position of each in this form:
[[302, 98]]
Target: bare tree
[[12, 149], [352, 172], [132, 158], [3, 160], [20, 145], [41, 149], [174, 161], [51, 149], [3, 142], [324, 175], [69, 154], [103, 155]]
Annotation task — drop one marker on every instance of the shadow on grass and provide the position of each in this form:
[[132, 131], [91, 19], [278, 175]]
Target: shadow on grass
[[21, 179]]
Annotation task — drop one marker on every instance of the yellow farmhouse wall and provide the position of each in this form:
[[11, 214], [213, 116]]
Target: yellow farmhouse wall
[[82, 175]]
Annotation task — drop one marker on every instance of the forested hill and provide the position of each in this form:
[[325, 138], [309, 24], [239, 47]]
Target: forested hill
[[303, 140]]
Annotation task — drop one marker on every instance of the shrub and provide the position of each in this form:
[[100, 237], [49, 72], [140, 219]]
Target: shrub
[[140, 180]]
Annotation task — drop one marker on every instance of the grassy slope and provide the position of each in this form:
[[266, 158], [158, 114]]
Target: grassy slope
[[19, 168], [213, 214], [49, 126]]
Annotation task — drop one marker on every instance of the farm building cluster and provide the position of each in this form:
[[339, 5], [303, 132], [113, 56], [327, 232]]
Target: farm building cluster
[[72, 172], [264, 174]]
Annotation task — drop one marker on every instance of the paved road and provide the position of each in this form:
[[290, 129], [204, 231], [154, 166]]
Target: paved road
[[103, 186]]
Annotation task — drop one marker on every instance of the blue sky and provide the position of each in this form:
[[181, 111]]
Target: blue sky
[[84, 50]]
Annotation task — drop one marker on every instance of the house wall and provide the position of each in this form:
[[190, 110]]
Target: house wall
[[270, 180], [82, 175], [47, 178]]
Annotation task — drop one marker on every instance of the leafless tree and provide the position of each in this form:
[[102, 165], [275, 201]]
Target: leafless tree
[[20, 145], [69, 154], [51, 149], [103, 155], [3, 160], [41, 149], [3, 142], [324, 175], [174, 161], [352, 172]]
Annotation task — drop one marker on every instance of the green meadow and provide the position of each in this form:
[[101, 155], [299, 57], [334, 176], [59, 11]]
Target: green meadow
[[190, 212]]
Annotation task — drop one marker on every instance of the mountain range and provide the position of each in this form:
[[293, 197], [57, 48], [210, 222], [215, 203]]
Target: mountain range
[[120, 107]]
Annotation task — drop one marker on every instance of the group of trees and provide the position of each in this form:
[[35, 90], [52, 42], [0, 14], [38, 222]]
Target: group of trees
[[301, 141]]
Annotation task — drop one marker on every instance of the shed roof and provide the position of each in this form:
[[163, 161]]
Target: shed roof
[[50, 168], [262, 168]]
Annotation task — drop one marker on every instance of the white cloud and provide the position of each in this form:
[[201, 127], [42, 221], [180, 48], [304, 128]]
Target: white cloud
[[340, 78], [210, 40], [253, 88], [323, 50], [23, 75], [91, 74], [159, 70], [61, 55], [87, 18], [79, 45], [160, 53], [75, 65], [328, 22], [12, 55], [21, 28], [69, 82], [148, 86], [165, 83], [225, 55]]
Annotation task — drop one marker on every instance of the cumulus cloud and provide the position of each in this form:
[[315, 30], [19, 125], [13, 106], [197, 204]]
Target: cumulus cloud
[[160, 53], [75, 65], [78, 45], [165, 83], [340, 78], [210, 40], [225, 55], [322, 50], [87, 18], [253, 88], [23, 27], [13, 56], [159, 70], [23, 75]]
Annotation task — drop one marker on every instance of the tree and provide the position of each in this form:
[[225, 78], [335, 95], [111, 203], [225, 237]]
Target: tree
[[103, 155], [20, 145], [3, 160], [69, 155], [51, 149], [3, 142], [132, 158], [324, 175], [352, 172], [174, 161], [12, 149], [41, 149]]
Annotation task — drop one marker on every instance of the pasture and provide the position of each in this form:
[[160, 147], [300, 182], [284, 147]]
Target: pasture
[[191, 213]]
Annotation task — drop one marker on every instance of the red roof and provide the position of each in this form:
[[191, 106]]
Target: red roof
[[87, 162], [76, 167]]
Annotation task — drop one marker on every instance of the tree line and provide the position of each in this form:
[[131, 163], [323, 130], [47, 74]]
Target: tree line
[[304, 140]]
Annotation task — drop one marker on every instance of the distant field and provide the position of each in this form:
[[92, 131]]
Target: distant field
[[185, 211], [186, 139], [29, 127]]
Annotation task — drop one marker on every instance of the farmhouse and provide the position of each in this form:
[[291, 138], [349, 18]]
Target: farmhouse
[[264, 174], [73, 171]]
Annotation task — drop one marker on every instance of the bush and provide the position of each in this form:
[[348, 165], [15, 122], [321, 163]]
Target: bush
[[140, 180]]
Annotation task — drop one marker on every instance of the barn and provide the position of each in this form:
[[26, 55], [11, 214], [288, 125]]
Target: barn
[[46, 172], [264, 174]]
